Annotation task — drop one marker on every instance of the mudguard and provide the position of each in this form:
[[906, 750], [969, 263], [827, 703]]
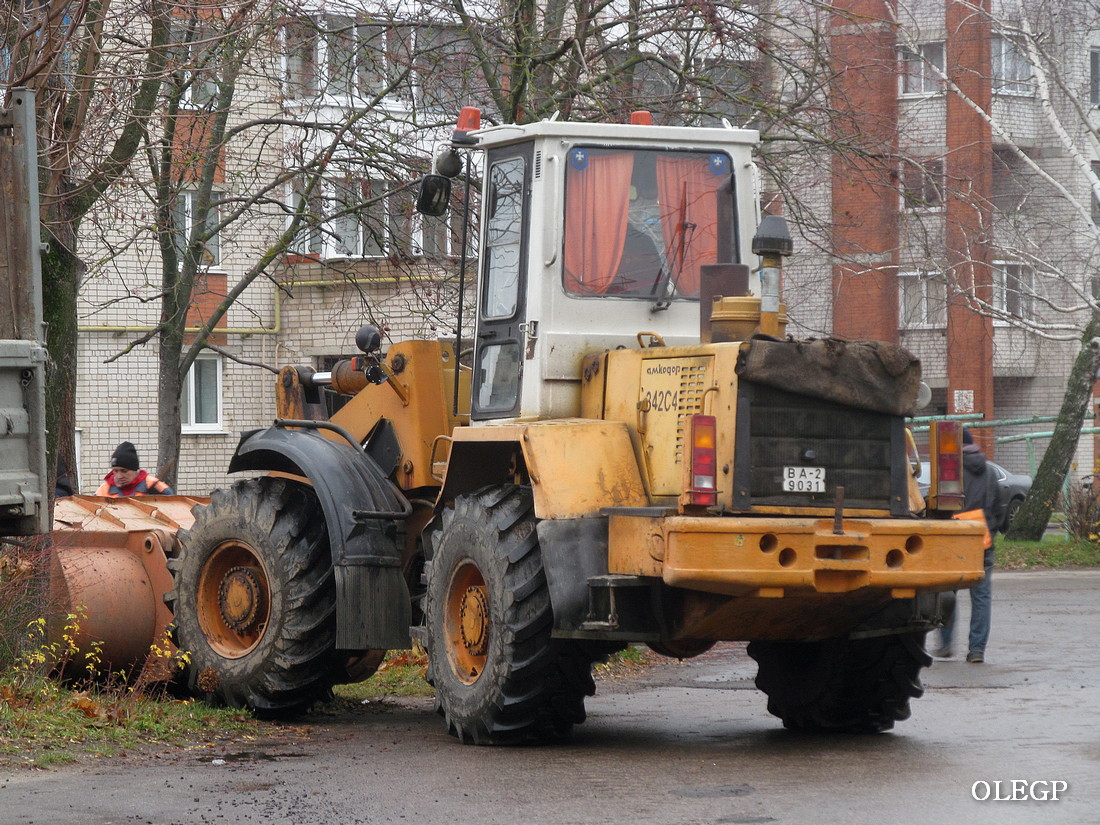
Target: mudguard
[[373, 610]]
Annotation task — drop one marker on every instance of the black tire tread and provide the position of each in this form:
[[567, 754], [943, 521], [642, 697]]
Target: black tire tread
[[857, 685], [535, 690], [291, 666]]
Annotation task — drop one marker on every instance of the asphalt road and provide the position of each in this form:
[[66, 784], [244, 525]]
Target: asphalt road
[[685, 742]]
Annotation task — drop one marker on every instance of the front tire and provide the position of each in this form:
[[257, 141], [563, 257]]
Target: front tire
[[499, 676], [255, 598], [841, 684]]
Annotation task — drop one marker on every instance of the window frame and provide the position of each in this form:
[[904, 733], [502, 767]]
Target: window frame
[[1001, 294], [448, 225], [932, 178], [187, 398], [311, 73], [930, 82], [1093, 200], [325, 240], [1010, 188], [309, 240], [185, 200], [932, 318], [190, 79], [1094, 76], [1001, 49]]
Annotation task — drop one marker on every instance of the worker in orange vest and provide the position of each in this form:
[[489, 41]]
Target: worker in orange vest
[[128, 479]]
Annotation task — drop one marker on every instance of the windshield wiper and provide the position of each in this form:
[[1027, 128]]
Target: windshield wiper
[[666, 287]]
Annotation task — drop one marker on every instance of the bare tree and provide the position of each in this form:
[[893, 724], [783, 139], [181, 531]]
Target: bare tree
[[91, 122], [1041, 215], [286, 131]]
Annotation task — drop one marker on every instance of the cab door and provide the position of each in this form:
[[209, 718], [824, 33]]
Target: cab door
[[498, 353]]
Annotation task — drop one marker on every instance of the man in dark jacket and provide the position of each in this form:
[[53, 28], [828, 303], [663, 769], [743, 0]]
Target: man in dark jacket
[[127, 478], [980, 493]]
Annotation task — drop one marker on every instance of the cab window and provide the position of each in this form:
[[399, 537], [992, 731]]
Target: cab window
[[641, 223]]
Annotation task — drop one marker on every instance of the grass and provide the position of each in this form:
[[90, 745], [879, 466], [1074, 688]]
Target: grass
[[57, 705], [1050, 553], [401, 674], [44, 723]]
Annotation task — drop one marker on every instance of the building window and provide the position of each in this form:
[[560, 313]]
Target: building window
[[353, 218], [309, 239], [1093, 198], [335, 56], [330, 398], [442, 52], [192, 58], [922, 70], [922, 298], [1011, 69], [1010, 185], [201, 397], [1013, 288], [437, 237], [922, 184], [185, 219], [1094, 77]]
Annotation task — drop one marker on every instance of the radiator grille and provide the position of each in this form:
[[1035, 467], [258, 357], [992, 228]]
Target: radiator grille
[[689, 401], [858, 449]]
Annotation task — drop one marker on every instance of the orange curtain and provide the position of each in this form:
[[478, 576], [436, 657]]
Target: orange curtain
[[597, 198], [689, 217]]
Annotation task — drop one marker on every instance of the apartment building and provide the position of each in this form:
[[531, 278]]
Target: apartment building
[[362, 96], [321, 89], [967, 231]]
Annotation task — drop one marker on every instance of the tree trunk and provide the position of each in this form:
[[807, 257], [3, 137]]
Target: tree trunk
[[169, 385], [60, 276], [1032, 519]]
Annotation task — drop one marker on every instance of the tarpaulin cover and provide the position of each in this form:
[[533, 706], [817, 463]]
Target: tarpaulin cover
[[870, 375]]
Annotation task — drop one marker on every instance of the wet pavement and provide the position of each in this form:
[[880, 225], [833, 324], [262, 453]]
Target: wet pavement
[[687, 742]]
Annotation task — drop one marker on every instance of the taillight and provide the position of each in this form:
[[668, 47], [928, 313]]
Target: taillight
[[702, 476], [945, 441]]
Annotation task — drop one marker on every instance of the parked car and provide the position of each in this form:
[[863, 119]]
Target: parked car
[[1012, 488]]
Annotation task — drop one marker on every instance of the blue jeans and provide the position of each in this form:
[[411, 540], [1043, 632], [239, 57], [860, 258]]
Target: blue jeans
[[981, 611]]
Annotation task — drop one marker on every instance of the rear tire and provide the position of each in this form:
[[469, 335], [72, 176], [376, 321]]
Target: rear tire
[[255, 599], [499, 676], [1010, 512], [841, 684]]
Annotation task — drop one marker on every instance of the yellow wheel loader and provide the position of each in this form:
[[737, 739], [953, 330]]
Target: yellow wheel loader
[[629, 450]]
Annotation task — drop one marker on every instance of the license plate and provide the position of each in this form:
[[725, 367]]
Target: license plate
[[804, 479]]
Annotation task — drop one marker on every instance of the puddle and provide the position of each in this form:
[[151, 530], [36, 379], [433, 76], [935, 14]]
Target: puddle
[[247, 756]]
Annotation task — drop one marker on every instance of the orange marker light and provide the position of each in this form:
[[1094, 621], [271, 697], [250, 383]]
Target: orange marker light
[[469, 120]]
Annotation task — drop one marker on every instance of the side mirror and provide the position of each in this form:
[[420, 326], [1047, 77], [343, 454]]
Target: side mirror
[[434, 195]]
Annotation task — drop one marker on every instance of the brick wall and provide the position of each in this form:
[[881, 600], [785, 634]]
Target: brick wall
[[969, 188], [864, 190]]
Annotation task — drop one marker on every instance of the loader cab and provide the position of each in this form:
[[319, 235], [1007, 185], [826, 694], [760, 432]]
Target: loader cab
[[592, 234]]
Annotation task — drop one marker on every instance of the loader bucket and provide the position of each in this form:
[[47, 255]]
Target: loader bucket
[[109, 569]]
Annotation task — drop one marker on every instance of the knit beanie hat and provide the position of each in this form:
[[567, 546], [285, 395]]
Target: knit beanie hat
[[125, 456], [967, 437]]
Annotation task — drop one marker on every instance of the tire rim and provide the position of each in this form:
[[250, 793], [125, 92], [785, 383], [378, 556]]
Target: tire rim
[[234, 599], [467, 622]]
